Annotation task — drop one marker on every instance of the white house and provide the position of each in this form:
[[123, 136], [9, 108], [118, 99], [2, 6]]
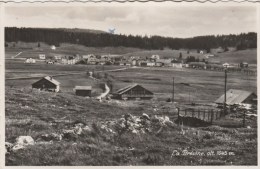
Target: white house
[[225, 65], [155, 57], [150, 63], [53, 47], [42, 56], [177, 65], [30, 60]]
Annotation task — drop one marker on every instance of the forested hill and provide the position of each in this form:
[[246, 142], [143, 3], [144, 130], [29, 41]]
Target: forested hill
[[94, 38]]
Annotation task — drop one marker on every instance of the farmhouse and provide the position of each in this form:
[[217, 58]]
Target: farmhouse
[[30, 60], [200, 65], [155, 57], [150, 63], [42, 56], [243, 65], [238, 97], [47, 83], [134, 91], [164, 62], [83, 90], [225, 65], [53, 47], [177, 65], [57, 57]]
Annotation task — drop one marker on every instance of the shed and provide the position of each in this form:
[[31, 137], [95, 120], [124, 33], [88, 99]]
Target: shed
[[47, 83], [237, 97], [134, 91], [83, 90]]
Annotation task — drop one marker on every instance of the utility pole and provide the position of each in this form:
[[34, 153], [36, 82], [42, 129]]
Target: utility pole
[[173, 90], [225, 96]]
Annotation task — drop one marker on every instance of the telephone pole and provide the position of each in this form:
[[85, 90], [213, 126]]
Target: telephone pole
[[225, 96], [173, 90]]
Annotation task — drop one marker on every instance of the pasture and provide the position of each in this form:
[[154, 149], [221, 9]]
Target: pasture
[[35, 113], [198, 86]]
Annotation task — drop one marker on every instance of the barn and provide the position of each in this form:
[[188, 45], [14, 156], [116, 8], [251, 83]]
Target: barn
[[237, 97], [134, 91], [48, 84], [83, 90]]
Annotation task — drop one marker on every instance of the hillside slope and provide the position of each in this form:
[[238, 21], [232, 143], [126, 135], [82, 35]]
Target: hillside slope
[[38, 114]]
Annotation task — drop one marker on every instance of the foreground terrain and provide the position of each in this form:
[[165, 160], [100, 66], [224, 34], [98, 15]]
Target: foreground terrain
[[105, 139]]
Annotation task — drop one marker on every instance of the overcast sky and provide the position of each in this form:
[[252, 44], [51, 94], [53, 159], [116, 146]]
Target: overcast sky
[[172, 21]]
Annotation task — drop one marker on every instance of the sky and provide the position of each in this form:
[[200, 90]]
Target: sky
[[169, 21]]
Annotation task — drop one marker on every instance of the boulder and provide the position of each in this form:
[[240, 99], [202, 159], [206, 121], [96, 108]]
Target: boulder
[[24, 140], [8, 147]]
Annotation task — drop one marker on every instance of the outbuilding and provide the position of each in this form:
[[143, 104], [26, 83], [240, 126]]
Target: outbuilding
[[234, 96], [134, 91], [48, 84], [83, 91]]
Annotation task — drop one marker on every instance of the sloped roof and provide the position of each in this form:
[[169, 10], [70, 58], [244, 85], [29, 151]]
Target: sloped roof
[[127, 88], [50, 79], [83, 87], [234, 96]]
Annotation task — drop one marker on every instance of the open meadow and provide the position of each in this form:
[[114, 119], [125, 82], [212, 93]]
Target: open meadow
[[39, 114]]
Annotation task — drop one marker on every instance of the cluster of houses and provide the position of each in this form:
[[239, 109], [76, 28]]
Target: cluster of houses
[[153, 61]]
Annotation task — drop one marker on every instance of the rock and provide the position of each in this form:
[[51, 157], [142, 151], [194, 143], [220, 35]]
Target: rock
[[87, 128], [18, 147], [51, 137], [145, 116], [44, 142], [24, 140], [8, 147], [77, 130]]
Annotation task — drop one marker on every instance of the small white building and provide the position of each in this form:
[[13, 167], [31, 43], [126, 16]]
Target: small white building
[[42, 56], [177, 65], [155, 57], [30, 60], [53, 47], [226, 65], [150, 63], [57, 57]]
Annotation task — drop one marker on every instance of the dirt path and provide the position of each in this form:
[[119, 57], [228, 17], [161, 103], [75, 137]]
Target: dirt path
[[64, 74], [103, 95]]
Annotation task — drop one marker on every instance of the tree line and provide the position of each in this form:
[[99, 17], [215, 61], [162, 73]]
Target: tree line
[[55, 37]]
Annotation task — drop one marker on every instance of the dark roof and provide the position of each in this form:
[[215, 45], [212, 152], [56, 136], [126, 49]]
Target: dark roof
[[127, 88], [83, 87], [50, 79], [234, 96]]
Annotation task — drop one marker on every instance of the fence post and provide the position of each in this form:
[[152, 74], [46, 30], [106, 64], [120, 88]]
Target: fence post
[[204, 114], [208, 115], [185, 114], [198, 113], [192, 112], [244, 119], [178, 112], [212, 116]]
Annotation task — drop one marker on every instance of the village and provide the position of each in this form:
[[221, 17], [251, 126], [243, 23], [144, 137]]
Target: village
[[206, 61]]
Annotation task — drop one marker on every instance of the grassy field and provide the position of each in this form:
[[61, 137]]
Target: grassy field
[[34, 113], [249, 56], [201, 86], [30, 50], [33, 72]]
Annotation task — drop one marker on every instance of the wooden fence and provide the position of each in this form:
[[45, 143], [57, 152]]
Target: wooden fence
[[202, 114]]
